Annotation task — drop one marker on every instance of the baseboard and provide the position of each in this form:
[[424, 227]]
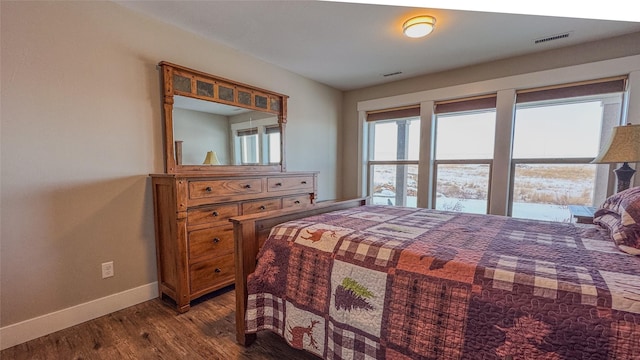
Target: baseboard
[[24, 331]]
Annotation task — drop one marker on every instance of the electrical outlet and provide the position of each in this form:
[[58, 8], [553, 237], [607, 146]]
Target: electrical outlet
[[107, 269]]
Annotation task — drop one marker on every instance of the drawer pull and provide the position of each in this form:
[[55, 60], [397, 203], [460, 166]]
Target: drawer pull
[[216, 240], [208, 189], [303, 183], [297, 202], [262, 207], [215, 213], [248, 186], [217, 270], [278, 184]]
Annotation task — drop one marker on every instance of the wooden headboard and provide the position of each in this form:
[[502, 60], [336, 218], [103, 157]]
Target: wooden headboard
[[251, 231]]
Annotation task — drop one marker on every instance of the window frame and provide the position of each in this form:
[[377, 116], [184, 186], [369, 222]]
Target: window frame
[[604, 99], [262, 128], [506, 88], [247, 140], [371, 148], [462, 106]]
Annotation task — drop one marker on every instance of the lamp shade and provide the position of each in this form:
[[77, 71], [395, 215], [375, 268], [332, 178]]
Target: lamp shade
[[419, 26], [623, 146], [211, 159]]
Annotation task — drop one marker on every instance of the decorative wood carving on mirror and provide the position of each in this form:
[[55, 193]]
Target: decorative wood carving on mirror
[[199, 90]]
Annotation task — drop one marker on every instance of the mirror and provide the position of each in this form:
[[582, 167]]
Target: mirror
[[228, 135], [218, 125]]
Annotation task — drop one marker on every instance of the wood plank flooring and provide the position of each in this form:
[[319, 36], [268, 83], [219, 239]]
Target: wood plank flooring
[[154, 330]]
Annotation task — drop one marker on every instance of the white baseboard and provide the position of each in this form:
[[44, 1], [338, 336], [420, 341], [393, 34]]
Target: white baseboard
[[24, 331]]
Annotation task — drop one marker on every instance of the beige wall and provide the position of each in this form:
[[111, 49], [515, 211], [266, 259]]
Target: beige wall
[[81, 129], [600, 50]]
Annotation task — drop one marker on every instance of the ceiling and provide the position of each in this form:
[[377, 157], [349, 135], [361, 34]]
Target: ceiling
[[350, 46]]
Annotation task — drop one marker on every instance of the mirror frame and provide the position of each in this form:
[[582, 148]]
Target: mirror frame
[[275, 104]]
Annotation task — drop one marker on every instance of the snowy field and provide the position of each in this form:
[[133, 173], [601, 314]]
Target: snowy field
[[540, 192], [520, 210]]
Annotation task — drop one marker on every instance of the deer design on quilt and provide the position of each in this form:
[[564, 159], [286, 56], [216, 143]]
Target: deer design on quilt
[[297, 335], [317, 234]]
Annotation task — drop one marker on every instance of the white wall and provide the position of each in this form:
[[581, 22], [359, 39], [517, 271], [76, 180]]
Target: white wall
[[81, 131]]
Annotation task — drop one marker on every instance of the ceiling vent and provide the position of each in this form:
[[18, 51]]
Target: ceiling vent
[[392, 74], [551, 38]]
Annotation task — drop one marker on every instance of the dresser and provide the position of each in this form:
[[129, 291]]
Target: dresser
[[194, 238], [224, 155]]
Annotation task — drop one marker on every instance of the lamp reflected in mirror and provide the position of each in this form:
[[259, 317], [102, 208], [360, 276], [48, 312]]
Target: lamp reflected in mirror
[[237, 136], [211, 159]]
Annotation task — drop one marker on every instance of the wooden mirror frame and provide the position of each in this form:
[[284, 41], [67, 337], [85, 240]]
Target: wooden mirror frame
[[206, 87]]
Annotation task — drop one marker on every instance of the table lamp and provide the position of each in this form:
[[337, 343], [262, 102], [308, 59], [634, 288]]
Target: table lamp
[[211, 159], [623, 147]]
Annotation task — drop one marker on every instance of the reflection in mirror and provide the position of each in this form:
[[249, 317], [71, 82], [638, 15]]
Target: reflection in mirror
[[235, 135]]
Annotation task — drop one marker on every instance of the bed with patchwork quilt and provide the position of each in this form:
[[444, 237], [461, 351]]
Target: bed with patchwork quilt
[[385, 282]]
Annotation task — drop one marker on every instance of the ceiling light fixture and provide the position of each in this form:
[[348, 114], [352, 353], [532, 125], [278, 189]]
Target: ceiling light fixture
[[419, 26]]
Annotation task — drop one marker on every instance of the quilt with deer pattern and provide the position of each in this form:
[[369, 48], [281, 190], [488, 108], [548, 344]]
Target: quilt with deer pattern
[[384, 282]]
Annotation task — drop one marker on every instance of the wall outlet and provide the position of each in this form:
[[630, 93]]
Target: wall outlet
[[107, 269]]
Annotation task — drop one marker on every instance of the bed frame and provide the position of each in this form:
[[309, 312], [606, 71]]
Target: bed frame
[[250, 232]]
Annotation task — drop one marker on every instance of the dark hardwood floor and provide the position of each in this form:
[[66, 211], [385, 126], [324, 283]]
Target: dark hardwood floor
[[154, 330]]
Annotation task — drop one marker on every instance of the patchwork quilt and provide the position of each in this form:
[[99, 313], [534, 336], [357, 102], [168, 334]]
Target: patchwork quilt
[[384, 282]]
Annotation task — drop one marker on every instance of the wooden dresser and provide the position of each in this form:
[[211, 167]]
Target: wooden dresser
[[194, 238], [241, 129]]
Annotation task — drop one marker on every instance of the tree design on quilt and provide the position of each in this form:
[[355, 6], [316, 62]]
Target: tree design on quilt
[[522, 339], [351, 295], [268, 272]]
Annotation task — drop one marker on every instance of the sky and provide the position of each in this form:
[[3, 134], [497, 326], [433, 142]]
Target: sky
[[568, 130], [558, 131]]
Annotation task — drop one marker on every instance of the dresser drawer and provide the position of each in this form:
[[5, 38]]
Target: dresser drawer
[[252, 207], [210, 242], [290, 183], [211, 274], [212, 214], [221, 188], [293, 201]]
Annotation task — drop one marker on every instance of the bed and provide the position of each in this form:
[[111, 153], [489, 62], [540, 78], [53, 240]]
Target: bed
[[354, 281]]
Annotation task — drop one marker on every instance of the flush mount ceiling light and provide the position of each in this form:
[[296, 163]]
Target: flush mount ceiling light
[[419, 26]]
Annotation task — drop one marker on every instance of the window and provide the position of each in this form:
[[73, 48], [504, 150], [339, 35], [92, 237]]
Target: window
[[272, 144], [256, 142], [464, 138], [394, 138], [554, 142], [248, 146], [557, 132], [524, 153]]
